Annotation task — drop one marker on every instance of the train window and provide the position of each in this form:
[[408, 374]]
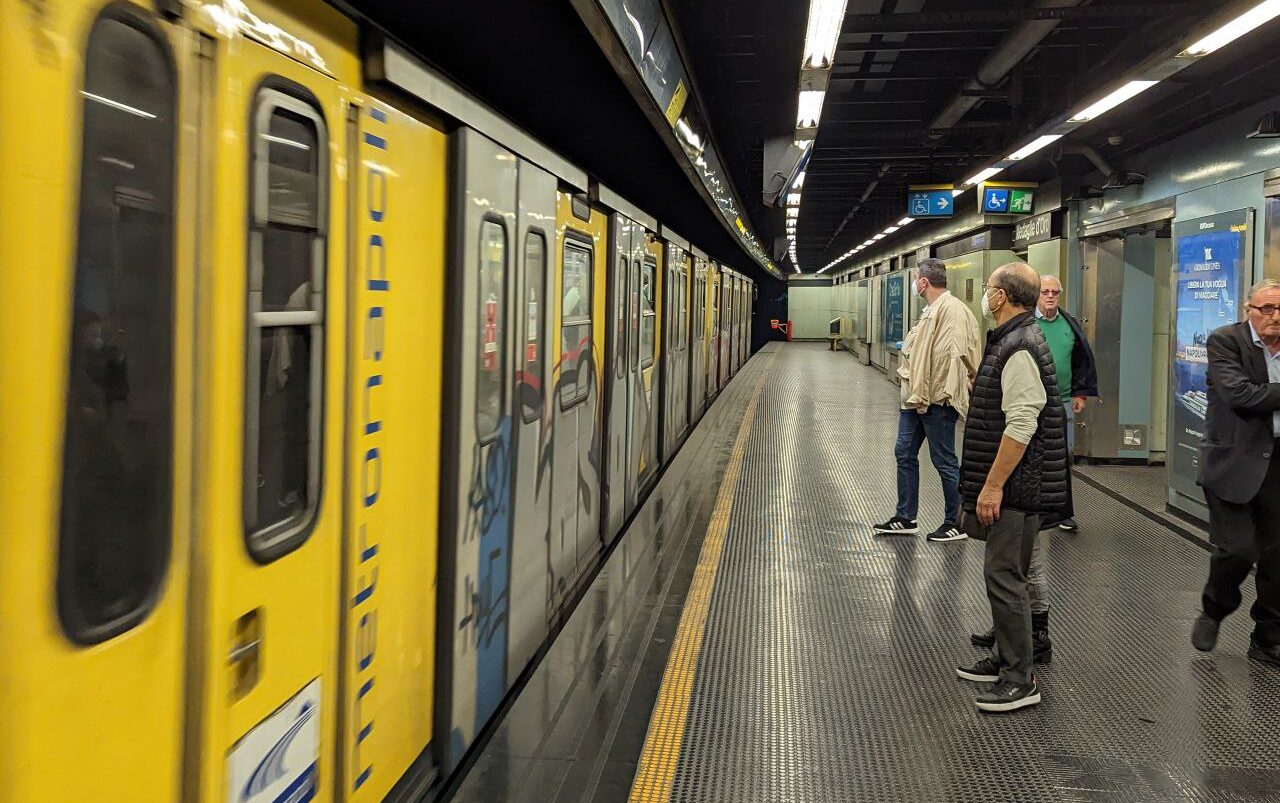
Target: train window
[[684, 308], [648, 312], [285, 337], [491, 351], [117, 477], [535, 271], [575, 334]]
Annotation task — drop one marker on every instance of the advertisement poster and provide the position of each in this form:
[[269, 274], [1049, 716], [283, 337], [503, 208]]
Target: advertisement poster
[[1212, 261], [894, 308]]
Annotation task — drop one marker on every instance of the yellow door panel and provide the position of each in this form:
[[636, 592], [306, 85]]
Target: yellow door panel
[[95, 288], [269, 451], [395, 354]]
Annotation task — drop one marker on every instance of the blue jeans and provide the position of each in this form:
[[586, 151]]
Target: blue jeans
[[938, 426]]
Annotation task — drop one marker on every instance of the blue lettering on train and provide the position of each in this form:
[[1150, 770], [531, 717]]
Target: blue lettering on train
[[373, 440]]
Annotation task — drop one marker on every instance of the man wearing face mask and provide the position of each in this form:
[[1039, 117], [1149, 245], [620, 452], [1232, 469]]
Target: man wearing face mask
[[939, 359], [1014, 472]]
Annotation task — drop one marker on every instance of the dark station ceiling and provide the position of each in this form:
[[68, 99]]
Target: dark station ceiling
[[904, 105]]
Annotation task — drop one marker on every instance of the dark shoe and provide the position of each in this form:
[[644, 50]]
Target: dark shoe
[[1204, 633], [1268, 655], [1041, 647], [1069, 525], [897, 526], [985, 640], [985, 671], [947, 532], [1008, 696]]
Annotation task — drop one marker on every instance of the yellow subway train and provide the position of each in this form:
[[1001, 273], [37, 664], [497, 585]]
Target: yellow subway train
[[325, 391]]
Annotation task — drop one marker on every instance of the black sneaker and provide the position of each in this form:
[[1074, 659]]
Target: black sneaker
[[947, 532], [985, 640], [1204, 633], [985, 671], [897, 526], [1069, 525], [1009, 696], [1268, 655]]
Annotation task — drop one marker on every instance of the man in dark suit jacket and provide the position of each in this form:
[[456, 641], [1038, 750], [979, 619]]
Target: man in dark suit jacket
[[1240, 473]]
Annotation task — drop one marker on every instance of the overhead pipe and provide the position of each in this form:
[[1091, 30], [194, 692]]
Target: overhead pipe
[[875, 182], [1091, 153], [998, 64]]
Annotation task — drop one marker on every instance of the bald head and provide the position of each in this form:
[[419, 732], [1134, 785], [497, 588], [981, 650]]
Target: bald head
[[1020, 283]]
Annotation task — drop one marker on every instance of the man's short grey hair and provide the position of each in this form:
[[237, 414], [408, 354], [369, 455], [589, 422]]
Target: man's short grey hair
[[1021, 284], [935, 270], [1265, 284]]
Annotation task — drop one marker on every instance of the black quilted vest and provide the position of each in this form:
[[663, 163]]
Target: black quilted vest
[[1040, 482]]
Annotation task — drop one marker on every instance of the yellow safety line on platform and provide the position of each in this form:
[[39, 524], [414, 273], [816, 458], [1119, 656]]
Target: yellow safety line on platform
[[662, 744]]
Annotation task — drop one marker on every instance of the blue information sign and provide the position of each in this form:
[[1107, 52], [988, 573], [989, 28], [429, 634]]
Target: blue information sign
[[930, 203], [995, 201]]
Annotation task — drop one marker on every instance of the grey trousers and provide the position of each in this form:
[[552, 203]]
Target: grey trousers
[[1038, 575], [1010, 542]]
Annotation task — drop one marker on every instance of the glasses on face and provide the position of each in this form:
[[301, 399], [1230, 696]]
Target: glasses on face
[[1051, 293], [1266, 310], [986, 286]]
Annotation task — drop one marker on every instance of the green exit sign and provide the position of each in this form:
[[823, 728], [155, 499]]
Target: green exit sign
[[1021, 201]]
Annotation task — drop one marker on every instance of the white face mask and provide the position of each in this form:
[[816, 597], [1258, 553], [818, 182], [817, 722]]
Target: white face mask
[[986, 309], [920, 289]]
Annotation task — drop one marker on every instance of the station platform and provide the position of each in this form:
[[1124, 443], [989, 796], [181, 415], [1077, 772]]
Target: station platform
[[750, 640]]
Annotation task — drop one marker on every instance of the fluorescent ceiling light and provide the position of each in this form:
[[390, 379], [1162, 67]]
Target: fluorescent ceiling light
[[906, 220], [1129, 90], [979, 178], [799, 182], [810, 109], [793, 199], [891, 229], [1027, 150], [957, 193], [793, 211], [877, 237], [1238, 27], [826, 17]]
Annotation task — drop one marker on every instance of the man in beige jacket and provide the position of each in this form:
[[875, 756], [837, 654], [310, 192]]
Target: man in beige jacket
[[940, 357]]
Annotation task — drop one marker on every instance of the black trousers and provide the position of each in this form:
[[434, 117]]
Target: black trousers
[[1253, 530], [1007, 559]]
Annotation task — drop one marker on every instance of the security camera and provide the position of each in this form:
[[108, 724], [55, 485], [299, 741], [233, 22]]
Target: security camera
[[1114, 140]]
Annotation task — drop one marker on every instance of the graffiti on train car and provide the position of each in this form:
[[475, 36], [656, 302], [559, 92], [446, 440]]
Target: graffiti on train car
[[372, 439]]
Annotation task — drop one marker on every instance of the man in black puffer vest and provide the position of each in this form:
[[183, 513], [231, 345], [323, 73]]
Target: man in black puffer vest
[[1013, 477]]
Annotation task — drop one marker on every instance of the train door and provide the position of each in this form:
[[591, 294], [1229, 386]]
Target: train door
[[713, 328], [621, 352], [726, 322], [576, 410], [97, 236], [530, 597], [676, 365], [479, 455], [272, 306], [645, 435], [698, 341]]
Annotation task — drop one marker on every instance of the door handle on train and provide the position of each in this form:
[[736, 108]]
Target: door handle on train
[[244, 657]]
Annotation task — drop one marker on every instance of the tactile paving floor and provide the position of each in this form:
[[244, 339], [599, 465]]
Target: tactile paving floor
[[826, 672]]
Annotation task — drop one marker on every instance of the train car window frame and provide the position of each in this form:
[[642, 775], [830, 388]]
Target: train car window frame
[[581, 390], [535, 323], [98, 371], [293, 103], [648, 311], [491, 223]]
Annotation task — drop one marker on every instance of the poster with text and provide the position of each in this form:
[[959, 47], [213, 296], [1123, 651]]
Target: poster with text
[[894, 298], [1212, 259]]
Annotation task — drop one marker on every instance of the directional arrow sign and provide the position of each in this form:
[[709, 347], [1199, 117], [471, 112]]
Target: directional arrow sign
[[930, 201]]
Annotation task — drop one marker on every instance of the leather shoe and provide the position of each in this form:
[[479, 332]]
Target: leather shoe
[[1268, 655], [1204, 633]]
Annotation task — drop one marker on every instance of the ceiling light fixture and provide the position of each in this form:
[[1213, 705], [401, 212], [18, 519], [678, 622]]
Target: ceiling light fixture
[[826, 18], [810, 108], [979, 178], [793, 199], [1126, 92], [1238, 27], [793, 211], [1027, 150], [877, 237], [891, 229], [906, 220]]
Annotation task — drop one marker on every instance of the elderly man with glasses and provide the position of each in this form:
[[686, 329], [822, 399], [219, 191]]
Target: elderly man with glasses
[[1240, 473]]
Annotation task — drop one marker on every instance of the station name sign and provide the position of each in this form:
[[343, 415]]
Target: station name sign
[[1038, 229]]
